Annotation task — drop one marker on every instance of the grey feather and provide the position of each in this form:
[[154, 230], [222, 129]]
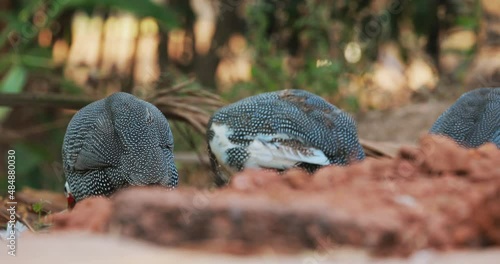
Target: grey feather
[[474, 119], [293, 122], [116, 142]]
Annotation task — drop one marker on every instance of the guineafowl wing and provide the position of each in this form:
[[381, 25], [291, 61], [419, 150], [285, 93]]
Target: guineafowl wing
[[97, 149]]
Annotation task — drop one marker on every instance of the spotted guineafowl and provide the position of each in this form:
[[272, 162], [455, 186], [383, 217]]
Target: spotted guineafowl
[[280, 130], [116, 142], [474, 119]]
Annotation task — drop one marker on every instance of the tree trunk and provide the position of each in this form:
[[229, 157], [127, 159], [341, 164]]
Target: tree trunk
[[228, 22]]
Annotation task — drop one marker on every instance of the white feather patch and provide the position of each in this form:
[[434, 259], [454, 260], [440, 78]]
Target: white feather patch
[[264, 153], [267, 154], [220, 142]]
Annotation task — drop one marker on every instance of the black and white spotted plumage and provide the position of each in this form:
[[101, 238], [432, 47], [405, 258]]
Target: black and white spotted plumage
[[116, 142], [474, 119], [280, 130]]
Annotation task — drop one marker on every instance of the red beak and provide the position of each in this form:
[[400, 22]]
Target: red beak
[[71, 201]]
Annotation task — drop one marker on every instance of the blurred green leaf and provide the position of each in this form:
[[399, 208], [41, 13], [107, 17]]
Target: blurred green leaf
[[4, 111], [70, 87], [38, 207], [467, 22], [30, 7], [14, 81], [33, 156], [9, 17], [36, 61], [13, 24]]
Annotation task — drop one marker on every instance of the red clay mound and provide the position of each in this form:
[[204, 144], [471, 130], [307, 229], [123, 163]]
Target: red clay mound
[[437, 195]]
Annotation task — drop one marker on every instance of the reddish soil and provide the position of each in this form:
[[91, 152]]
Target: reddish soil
[[91, 214], [436, 195]]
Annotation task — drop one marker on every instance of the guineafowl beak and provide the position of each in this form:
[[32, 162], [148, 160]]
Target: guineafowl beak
[[71, 201], [69, 196]]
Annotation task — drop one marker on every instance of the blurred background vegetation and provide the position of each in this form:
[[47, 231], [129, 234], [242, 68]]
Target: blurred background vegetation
[[359, 55]]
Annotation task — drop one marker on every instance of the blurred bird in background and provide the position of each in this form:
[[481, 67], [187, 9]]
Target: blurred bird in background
[[473, 120]]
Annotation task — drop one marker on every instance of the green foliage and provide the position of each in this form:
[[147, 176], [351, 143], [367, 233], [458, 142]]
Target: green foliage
[[22, 28], [13, 82], [32, 155], [20, 20], [269, 70], [38, 208], [467, 22]]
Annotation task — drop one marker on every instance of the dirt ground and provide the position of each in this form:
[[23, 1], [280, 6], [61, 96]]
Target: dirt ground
[[436, 195], [403, 125], [88, 248]]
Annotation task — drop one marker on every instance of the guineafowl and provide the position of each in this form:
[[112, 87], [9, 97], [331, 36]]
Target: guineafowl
[[474, 119], [280, 130], [116, 142]]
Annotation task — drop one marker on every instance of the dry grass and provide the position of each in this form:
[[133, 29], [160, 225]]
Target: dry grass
[[184, 103]]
